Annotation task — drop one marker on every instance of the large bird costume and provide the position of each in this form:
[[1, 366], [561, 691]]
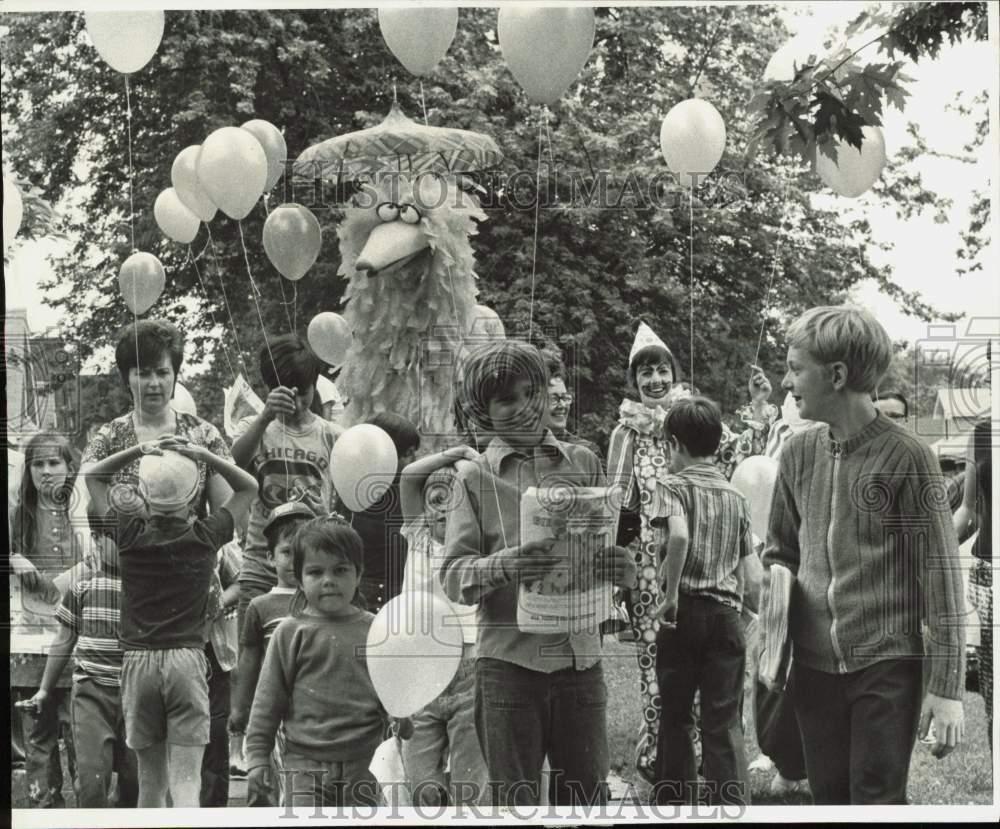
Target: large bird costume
[[411, 297]]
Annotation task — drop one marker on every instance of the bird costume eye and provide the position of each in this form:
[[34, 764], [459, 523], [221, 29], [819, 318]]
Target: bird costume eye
[[387, 211], [409, 214]]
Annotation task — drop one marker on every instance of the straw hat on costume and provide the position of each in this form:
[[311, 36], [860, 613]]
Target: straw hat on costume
[[170, 480]]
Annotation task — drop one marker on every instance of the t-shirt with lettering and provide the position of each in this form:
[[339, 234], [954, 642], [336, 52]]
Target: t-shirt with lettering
[[166, 565], [288, 462]]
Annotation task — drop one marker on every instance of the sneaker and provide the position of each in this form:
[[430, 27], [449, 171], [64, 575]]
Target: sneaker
[[782, 785], [761, 763]]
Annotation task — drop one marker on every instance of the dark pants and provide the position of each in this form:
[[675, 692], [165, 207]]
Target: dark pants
[[706, 652], [778, 730], [215, 762], [99, 735], [524, 715], [42, 764], [858, 730]]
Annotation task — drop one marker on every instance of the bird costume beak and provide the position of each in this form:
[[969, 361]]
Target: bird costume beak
[[391, 245]]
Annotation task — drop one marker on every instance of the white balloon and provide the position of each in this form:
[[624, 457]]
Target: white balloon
[[232, 168], [273, 144], [363, 464], [754, 477], [183, 402], [419, 36], [184, 177], [329, 336], [13, 211], [692, 140], [793, 56], [141, 280], [854, 171], [174, 218], [413, 650], [127, 40]]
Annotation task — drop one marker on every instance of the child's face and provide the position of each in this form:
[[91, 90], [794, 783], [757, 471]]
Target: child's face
[[49, 472], [810, 384], [303, 404], [518, 413], [329, 582], [654, 382], [281, 558]]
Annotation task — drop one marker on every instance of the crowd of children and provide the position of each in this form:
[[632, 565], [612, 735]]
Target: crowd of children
[[852, 490]]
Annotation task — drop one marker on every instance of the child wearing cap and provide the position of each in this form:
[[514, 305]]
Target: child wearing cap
[[264, 614], [166, 562]]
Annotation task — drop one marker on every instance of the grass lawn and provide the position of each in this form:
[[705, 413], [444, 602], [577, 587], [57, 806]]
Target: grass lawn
[[962, 778]]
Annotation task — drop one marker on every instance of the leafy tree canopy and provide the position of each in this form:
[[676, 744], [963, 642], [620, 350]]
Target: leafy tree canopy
[[614, 244]]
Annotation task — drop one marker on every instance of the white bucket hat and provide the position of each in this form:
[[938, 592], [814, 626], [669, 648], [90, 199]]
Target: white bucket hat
[[170, 480]]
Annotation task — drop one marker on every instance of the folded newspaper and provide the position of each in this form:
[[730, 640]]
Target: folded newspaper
[[569, 598], [776, 646]]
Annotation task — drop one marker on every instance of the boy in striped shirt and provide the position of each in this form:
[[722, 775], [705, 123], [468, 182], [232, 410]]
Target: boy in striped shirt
[[700, 645], [89, 625]]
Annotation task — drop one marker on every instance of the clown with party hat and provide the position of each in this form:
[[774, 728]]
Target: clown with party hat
[[637, 459]]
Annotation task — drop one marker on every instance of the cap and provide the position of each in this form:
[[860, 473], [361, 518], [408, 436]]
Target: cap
[[170, 479], [283, 511]]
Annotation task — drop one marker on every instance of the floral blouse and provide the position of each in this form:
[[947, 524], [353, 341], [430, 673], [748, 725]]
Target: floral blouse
[[119, 434]]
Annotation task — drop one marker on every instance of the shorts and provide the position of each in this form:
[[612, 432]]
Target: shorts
[[165, 697]]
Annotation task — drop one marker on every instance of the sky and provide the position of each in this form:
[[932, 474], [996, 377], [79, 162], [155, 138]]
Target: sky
[[923, 257]]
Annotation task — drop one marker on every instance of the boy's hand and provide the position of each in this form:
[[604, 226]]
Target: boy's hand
[[459, 453], [281, 401], [531, 560], [259, 782], [35, 703], [666, 611], [948, 719], [760, 386], [402, 727], [614, 564]]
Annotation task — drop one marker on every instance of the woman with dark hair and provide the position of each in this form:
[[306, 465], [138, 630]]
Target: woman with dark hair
[[44, 545], [149, 355], [637, 457]]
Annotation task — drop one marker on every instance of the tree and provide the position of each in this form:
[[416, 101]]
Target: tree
[[835, 96], [613, 243]]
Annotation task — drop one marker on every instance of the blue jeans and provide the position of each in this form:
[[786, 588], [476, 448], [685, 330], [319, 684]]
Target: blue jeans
[[706, 652], [446, 730], [523, 715]]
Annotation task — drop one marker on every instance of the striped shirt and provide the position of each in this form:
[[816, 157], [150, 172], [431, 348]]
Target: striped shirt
[[718, 520], [91, 610]]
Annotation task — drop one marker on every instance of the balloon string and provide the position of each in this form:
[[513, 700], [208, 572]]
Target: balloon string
[[128, 124], [295, 307], [215, 322], [691, 272], [225, 299], [423, 103], [538, 201], [137, 404], [246, 259], [774, 266], [285, 303], [267, 344], [493, 479]]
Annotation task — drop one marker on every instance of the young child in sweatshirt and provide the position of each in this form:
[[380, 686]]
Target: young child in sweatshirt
[[315, 680]]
